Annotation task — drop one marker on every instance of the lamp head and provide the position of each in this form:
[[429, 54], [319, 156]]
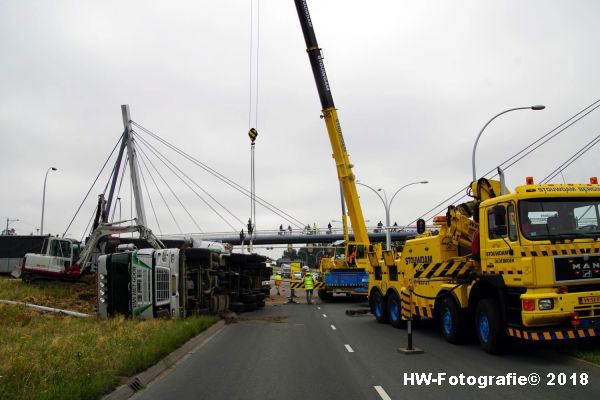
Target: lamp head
[[538, 107]]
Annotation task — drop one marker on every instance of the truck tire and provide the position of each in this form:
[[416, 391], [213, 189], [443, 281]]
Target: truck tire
[[237, 307], [394, 311], [213, 304], [224, 303], [489, 326], [453, 321], [260, 303], [324, 295], [248, 307], [260, 296], [248, 298], [378, 307]]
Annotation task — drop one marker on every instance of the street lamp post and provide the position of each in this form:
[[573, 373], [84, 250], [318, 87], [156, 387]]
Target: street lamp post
[[387, 205], [44, 199], [535, 108]]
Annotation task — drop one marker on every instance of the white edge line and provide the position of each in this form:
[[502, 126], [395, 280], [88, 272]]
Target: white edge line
[[347, 346], [382, 393]]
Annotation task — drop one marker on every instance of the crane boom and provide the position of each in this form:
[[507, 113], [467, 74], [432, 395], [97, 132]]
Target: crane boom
[[334, 129]]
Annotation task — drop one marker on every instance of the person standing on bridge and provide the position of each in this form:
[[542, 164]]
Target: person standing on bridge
[[290, 229], [309, 284]]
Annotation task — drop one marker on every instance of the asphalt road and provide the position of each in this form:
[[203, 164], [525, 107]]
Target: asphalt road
[[311, 352]]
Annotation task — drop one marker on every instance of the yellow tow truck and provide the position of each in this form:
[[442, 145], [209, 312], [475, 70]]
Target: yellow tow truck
[[524, 265]]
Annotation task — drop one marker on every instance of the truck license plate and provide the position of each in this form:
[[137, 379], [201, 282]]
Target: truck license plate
[[589, 300]]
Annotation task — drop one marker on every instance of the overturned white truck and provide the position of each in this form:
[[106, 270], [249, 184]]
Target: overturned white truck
[[150, 283]]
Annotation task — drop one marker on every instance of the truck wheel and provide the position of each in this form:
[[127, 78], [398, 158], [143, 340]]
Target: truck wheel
[[237, 307], [260, 296], [248, 298], [213, 304], [378, 308], [324, 295], [260, 303], [489, 326], [250, 306], [394, 311], [224, 303], [453, 321]]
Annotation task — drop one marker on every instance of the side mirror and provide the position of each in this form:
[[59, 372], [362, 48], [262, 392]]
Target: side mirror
[[420, 226]]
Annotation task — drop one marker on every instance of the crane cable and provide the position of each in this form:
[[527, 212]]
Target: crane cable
[[253, 101]]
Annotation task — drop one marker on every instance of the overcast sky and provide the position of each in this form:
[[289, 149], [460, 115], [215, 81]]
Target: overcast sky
[[414, 82]]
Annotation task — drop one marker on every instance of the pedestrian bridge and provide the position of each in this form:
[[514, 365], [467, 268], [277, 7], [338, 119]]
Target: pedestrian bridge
[[284, 237]]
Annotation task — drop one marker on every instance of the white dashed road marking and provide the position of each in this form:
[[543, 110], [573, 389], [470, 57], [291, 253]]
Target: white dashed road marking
[[382, 393], [347, 346], [333, 327], [324, 315]]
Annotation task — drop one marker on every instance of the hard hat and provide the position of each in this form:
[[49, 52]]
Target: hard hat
[[305, 268]]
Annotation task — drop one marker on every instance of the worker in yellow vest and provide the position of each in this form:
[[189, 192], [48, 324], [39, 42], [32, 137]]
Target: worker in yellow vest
[[278, 280], [309, 284]]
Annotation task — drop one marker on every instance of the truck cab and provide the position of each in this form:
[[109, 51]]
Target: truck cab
[[542, 244]]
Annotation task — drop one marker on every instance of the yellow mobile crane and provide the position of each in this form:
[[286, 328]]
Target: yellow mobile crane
[[349, 273], [524, 265]]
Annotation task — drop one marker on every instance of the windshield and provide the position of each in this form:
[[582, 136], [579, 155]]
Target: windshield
[[547, 219]]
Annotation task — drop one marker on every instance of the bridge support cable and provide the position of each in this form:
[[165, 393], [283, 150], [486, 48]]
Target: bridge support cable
[[148, 193], [142, 153], [165, 160], [545, 139], [92, 186], [289, 218], [160, 157], [527, 150], [162, 197], [571, 160]]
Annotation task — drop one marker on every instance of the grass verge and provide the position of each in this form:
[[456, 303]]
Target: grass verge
[[588, 349], [48, 356]]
